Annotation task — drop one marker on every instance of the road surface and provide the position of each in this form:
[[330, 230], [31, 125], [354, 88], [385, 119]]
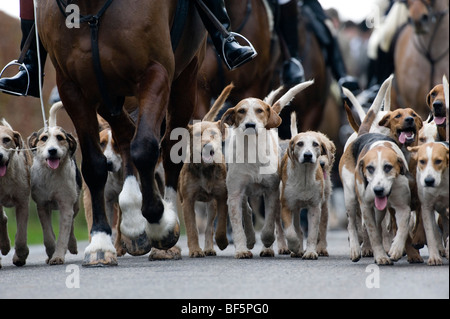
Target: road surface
[[223, 277]]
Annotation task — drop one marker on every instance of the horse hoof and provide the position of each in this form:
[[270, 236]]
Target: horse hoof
[[164, 234], [138, 246], [100, 259], [100, 251], [169, 240]]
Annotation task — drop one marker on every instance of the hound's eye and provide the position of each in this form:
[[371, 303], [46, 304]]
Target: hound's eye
[[437, 162], [102, 145], [414, 115], [241, 111], [259, 111], [315, 144], [370, 169], [44, 138], [422, 162], [60, 137], [6, 140], [300, 144], [398, 116], [387, 168]]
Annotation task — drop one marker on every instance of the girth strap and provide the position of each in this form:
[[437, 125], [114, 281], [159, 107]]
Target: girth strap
[[94, 22]]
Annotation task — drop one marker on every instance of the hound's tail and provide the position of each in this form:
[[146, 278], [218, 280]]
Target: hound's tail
[[218, 104], [376, 106], [53, 110], [294, 129]]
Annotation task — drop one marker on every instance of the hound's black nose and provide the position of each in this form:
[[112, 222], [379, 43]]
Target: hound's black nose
[[379, 191], [409, 120], [250, 125], [307, 157], [438, 105], [429, 181], [52, 151]]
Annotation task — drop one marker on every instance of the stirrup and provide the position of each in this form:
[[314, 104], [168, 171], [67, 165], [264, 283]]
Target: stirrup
[[16, 62], [234, 35]]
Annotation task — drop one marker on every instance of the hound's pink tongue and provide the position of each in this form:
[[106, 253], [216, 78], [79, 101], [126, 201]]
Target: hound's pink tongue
[[53, 163], [439, 120], [403, 136], [380, 202], [2, 170]]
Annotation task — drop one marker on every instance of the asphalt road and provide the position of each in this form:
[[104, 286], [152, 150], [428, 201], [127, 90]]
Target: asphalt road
[[223, 277]]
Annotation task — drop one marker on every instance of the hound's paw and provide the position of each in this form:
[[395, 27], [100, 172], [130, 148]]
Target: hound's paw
[[355, 254], [210, 252], [267, 252], [322, 252], [284, 251], [435, 261], [20, 257], [367, 252], [311, 255], [196, 253], [384, 260], [296, 254], [56, 261], [395, 254], [5, 247], [243, 254], [173, 253]]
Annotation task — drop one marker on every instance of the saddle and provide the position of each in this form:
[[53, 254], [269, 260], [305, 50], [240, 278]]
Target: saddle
[[115, 104]]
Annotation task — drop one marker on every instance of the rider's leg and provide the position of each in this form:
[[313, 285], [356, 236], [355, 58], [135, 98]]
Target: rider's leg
[[19, 82], [228, 48], [293, 72]]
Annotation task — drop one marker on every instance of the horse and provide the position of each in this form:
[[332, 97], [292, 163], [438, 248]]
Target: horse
[[254, 20], [136, 61], [310, 103], [421, 54]]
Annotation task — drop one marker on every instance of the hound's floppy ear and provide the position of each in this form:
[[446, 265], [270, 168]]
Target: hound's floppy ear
[[360, 172], [17, 139], [72, 143], [385, 120], [290, 149], [227, 118], [419, 121], [413, 150], [223, 130], [401, 163], [274, 120], [32, 141], [429, 100]]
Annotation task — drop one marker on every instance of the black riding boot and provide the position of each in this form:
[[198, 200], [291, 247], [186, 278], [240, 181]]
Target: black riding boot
[[338, 69], [293, 72], [18, 84], [233, 54]]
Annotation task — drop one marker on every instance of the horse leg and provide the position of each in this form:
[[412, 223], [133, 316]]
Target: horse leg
[[133, 223], [181, 107], [162, 226], [94, 168]]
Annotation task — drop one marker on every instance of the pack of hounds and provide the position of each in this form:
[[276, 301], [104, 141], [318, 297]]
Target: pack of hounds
[[394, 172]]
